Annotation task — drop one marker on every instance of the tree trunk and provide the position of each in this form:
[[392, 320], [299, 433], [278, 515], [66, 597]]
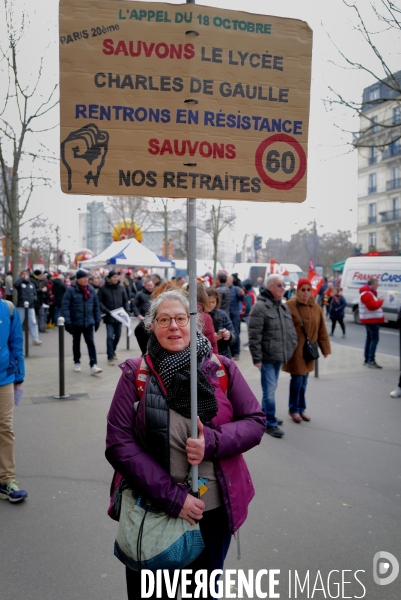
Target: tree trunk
[[15, 247], [7, 253]]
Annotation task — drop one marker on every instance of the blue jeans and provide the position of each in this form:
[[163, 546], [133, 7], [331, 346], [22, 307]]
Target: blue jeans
[[269, 375], [113, 337], [298, 383], [372, 339], [32, 324], [236, 321]]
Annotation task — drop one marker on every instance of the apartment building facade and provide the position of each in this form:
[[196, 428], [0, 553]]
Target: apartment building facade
[[379, 168]]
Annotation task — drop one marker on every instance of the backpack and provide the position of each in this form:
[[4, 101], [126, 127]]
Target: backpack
[[252, 295], [11, 308], [143, 371]]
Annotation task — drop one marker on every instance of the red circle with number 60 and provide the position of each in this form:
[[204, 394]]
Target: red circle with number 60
[[269, 181]]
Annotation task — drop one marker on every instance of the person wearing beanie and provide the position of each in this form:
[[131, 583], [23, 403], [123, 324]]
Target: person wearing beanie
[[112, 295], [80, 309], [307, 316], [272, 341], [81, 273]]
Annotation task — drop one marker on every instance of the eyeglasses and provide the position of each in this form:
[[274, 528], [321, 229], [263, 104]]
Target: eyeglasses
[[165, 321], [305, 290], [280, 285]]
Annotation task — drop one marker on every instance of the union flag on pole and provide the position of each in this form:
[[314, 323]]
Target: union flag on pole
[[277, 269], [316, 281]]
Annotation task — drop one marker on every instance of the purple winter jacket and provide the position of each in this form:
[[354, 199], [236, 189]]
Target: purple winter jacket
[[238, 426]]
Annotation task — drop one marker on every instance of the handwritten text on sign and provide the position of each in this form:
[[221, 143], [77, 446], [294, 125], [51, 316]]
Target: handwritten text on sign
[[177, 100]]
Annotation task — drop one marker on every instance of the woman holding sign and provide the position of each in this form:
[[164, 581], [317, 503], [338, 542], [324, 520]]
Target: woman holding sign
[[148, 433]]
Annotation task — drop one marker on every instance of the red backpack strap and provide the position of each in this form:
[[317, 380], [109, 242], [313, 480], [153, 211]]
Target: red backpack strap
[[141, 376], [221, 373]]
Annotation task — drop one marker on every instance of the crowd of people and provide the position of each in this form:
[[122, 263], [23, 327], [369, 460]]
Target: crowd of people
[[149, 441]]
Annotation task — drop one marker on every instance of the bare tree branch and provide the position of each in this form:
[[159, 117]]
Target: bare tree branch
[[385, 12], [22, 106]]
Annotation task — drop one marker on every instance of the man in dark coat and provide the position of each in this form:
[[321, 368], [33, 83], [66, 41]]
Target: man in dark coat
[[27, 293], [272, 341], [140, 306], [236, 295], [37, 280], [224, 292], [80, 309], [112, 295], [59, 289]]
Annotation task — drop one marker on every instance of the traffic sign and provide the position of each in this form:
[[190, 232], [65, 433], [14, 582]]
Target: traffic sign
[[280, 170]]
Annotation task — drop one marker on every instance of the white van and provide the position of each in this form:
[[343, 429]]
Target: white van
[[357, 270], [254, 270]]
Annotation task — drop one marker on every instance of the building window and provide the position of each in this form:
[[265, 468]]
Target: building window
[[394, 146], [395, 208], [372, 212], [395, 181], [374, 93], [372, 240], [372, 155], [397, 115], [395, 239], [372, 183], [373, 125]]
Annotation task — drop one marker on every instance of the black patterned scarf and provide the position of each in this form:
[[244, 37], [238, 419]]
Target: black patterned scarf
[[174, 370]]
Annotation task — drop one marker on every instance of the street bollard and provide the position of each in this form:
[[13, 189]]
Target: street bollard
[[317, 368], [60, 324], [127, 339], [26, 329]]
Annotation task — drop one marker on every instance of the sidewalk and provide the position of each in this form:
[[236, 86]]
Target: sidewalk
[[42, 366]]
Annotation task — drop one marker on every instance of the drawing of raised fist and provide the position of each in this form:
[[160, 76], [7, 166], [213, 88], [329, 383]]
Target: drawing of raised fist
[[90, 144]]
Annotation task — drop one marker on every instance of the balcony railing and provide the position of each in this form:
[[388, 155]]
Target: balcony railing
[[372, 219], [393, 184], [372, 189], [391, 152], [390, 215]]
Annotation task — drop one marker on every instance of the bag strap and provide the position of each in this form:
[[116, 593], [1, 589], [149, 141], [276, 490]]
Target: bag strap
[[11, 308], [302, 321]]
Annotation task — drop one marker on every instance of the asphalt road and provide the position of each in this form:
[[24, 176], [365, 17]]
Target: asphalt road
[[389, 342]]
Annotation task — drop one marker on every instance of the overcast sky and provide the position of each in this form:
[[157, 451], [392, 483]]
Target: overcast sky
[[332, 167]]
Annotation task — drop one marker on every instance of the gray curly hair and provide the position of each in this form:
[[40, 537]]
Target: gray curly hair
[[179, 295]]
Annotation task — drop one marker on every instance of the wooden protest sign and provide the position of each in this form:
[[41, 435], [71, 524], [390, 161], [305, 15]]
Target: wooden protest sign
[[183, 100]]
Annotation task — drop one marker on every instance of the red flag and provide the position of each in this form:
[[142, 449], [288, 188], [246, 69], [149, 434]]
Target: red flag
[[277, 269], [316, 281]]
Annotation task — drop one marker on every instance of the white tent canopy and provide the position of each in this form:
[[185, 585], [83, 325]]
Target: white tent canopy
[[128, 253]]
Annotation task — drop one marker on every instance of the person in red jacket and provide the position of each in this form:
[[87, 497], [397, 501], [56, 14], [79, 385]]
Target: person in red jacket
[[371, 315], [205, 318]]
